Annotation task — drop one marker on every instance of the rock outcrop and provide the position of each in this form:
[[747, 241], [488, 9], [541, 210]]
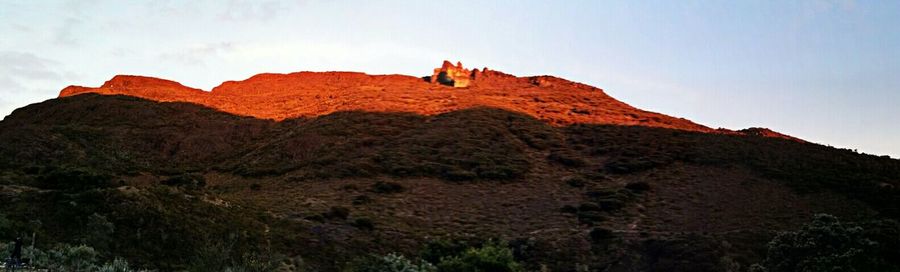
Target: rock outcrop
[[451, 75]]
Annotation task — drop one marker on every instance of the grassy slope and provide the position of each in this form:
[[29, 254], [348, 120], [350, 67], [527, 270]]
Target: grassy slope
[[471, 173]]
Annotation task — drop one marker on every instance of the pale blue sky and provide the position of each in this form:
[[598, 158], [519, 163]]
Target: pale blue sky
[[825, 71]]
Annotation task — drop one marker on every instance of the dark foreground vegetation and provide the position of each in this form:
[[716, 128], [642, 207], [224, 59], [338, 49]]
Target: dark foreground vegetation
[[104, 180]]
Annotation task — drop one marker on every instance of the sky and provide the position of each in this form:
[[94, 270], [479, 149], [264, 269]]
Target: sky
[[824, 71]]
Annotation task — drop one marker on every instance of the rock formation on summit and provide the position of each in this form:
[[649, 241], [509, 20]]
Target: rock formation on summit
[[455, 76]]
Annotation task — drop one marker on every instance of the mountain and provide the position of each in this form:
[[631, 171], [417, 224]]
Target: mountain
[[319, 170]]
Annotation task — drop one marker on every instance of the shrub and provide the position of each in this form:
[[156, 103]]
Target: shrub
[[590, 217], [565, 157], [73, 179], [610, 204], [392, 262], [576, 182], [6, 226], [600, 234], [99, 231], [362, 199], [224, 256], [363, 223], [434, 250], [568, 209], [186, 180], [117, 265], [638, 186], [491, 257], [459, 175], [337, 212], [825, 244], [626, 165], [382, 187], [73, 258]]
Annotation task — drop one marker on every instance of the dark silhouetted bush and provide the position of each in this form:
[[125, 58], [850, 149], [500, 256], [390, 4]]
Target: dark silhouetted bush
[[392, 262], [825, 244], [590, 217], [576, 182], [361, 200], [638, 186], [73, 179], [600, 234], [565, 157], [435, 250], [363, 223], [186, 180], [459, 175], [491, 256], [337, 212], [587, 207], [568, 209], [610, 204], [382, 187]]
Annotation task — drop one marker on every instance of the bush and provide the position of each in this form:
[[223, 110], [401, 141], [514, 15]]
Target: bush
[[491, 257], [565, 157], [117, 265], [568, 209], [825, 244], [459, 175], [587, 207], [576, 182], [6, 226], [71, 258], [186, 180], [99, 231], [362, 199], [382, 187], [600, 234], [223, 256], [610, 204], [638, 186], [434, 250], [363, 223], [392, 262], [590, 217], [337, 212], [73, 179]]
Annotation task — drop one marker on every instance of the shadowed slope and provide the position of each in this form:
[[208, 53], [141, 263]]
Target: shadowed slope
[[477, 172]]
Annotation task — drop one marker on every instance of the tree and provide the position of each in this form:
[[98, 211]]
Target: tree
[[825, 244]]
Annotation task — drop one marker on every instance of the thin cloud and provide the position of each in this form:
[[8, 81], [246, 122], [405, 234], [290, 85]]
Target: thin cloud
[[198, 54], [65, 33], [24, 76], [241, 10], [27, 65]]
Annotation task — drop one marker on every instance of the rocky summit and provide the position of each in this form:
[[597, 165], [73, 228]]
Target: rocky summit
[[449, 88]]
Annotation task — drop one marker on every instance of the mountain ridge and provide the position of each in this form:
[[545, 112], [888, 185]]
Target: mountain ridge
[[305, 94]]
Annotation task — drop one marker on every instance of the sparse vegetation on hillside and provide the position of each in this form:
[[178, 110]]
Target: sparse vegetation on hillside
[[196, 188], [827, 244]]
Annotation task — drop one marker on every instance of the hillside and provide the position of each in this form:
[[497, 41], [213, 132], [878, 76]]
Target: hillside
[[324, 168]]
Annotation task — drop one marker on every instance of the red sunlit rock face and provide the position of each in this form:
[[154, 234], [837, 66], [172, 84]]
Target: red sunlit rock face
[[307, 94]]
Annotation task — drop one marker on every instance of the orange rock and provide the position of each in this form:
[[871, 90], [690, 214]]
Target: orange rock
[[450, 75]]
